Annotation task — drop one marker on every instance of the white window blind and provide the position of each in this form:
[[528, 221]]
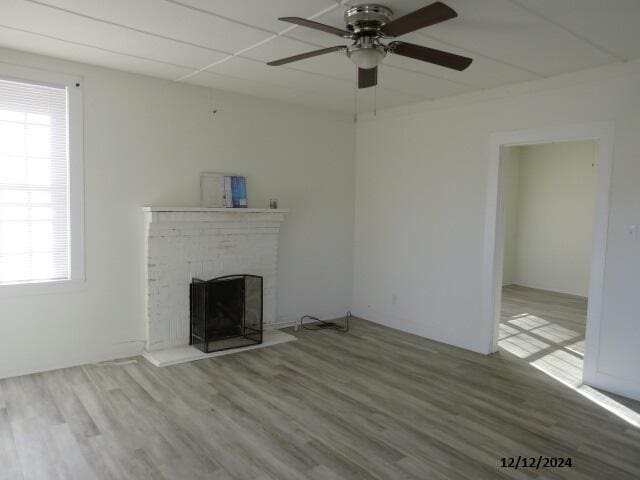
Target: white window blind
[[34, 183]]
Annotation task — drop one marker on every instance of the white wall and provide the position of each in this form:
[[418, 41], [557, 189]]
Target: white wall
[[421, 186], [510, 179], [549, 228], [146, 142]]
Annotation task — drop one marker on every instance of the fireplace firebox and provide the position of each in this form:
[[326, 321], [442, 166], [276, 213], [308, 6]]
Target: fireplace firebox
[[226, 312]]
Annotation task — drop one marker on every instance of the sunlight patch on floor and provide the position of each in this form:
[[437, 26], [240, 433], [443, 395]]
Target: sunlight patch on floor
[[577, 347], [555, 333], [555, 348], [561, 365], [528, 322], [506, 331], [522, 345], [618, 409]]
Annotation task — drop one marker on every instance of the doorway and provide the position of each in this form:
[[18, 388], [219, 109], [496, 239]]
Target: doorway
[[549, 197], [602, 136]]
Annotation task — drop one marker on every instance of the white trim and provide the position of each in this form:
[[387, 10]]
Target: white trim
[[546, 287], [110, 353], [410, 326], [328, 315], [214, 209], [38, 76], [75, 108], [494, 229], [563, 81], [611, 383], [76, 178]]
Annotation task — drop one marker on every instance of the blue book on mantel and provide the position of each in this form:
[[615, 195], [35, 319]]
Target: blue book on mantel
[[239, 192]]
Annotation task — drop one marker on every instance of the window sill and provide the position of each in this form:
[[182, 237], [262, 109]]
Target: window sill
[[41, 288]]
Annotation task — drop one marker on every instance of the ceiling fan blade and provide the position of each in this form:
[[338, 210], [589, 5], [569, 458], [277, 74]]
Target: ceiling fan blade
[[367, 77], [302, 56], [317, 26], [430, 15], [431, 55]]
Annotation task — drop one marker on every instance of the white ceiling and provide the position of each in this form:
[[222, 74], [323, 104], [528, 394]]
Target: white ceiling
[[225, 43]]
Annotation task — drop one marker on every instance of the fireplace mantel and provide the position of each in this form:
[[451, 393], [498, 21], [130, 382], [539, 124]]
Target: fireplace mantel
[[182, 243], [207, 209]]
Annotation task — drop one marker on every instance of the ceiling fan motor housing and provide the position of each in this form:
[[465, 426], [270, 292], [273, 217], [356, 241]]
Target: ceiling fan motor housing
[[367, 19]]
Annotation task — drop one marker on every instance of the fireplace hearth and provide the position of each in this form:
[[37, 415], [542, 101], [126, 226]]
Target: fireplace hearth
[[226, 312]]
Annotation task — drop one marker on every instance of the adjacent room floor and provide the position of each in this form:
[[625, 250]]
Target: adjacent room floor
[[371, 404], [545, 328]]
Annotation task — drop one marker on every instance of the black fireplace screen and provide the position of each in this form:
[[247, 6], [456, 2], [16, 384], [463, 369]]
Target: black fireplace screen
[[226, 312]]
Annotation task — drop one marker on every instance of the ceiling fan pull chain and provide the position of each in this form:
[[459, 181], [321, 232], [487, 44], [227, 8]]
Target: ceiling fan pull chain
[[355, 103], [375, 100]]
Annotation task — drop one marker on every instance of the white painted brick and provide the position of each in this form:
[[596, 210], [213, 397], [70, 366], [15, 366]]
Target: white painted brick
[[183, 245]]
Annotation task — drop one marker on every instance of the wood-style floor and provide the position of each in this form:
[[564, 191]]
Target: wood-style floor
[[371, 404], [547, 329]]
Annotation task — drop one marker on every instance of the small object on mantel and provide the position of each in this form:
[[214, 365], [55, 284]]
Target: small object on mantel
[[212, 189], [235, 211], [223, 190], [273, 203]]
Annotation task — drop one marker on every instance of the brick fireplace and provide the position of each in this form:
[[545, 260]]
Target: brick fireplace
[[205, 243]]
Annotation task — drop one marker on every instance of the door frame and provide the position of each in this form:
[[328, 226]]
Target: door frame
[[602, 133]]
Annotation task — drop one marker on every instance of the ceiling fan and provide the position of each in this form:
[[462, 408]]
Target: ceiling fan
[[367, 25]]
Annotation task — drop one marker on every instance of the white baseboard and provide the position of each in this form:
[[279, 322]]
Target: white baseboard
[[548, 288], [613, 384], [280, 324], [129, 349], [412, 327], [284, 322]]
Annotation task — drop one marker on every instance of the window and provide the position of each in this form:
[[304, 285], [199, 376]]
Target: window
[[39, 241]]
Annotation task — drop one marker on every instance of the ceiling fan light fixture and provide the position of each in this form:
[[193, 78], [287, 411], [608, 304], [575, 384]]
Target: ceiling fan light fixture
[[367, 57]]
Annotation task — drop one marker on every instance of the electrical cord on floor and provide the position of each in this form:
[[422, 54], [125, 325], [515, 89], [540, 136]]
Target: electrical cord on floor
[[324, 325]]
